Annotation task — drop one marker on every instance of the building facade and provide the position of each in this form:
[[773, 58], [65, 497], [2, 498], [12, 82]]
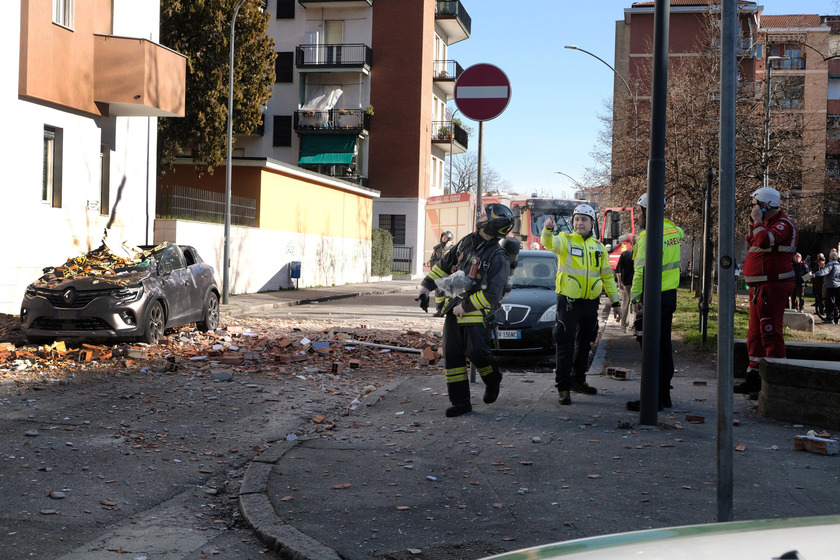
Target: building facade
[[361, 97], [91, 82]]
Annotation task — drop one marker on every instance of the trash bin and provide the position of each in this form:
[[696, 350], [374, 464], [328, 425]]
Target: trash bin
[[294, 269]]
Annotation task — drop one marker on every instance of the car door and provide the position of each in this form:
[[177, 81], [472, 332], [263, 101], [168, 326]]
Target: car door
[[177, 284]]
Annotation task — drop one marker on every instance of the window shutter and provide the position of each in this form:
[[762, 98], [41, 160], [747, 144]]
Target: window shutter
[[284, 67], [285, 9], [282, 131]]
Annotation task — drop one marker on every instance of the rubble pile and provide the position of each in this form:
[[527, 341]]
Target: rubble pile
[[241, 348]]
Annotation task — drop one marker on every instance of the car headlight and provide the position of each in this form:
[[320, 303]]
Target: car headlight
[[549, 315], [128, 294]]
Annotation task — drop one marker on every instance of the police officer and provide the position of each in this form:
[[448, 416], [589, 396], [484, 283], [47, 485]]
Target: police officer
[[437, 253], [584, 270], [672, 237], [480, 264]]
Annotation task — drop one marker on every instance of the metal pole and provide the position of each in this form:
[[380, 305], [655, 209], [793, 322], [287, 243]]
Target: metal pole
[[765, 160], [726, 251], [480, 170], [655, 219], [226, 257], [706, 285]]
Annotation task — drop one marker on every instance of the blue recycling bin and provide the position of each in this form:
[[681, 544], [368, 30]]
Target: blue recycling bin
[[294, 269]]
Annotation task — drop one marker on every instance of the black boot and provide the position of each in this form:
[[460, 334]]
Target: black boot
[[752, 384], [492, 382], [459, 396]]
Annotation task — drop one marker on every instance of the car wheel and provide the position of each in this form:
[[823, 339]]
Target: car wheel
[[211, 313], [154, 323]]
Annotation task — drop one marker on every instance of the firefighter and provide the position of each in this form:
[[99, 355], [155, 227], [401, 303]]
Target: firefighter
[[768, 271], [584, 270], [473, 273], [672, 238], [437, 253]]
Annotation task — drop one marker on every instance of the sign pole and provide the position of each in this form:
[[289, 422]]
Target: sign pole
[[478, 187]]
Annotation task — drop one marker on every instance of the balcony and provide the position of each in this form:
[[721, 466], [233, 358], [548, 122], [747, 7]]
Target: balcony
[[336, 3], [136, 77], [445, 74], [349, 57], [334, 121], [449, 137], [453, 19], [789, 64]]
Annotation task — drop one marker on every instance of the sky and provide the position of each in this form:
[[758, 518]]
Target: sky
[[551, 123]]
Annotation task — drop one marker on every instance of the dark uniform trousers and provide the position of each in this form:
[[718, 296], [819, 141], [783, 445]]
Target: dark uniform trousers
[[467, 341], [575, 329]]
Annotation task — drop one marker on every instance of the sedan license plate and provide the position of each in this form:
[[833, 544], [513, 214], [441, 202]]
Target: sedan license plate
[[66, 314], [510, 335]]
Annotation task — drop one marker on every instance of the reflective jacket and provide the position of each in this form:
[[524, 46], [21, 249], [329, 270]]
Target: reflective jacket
[[770, 251], [672, 238], [490, 279], [583, 266]]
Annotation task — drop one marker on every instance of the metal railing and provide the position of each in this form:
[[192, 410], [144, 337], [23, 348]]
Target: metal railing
[[178, 202], [454, 8], [401, 258], [447, 70], [345, 120], [448, 131], [788, 64], [346, 55]]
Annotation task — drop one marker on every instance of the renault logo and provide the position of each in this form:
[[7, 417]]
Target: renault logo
[[69, 296]]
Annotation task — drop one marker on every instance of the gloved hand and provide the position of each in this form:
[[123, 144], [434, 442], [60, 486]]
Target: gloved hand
[[458, 310], [423, 298]]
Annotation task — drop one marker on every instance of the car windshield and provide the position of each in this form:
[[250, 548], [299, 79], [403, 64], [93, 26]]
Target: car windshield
[[535, 272]]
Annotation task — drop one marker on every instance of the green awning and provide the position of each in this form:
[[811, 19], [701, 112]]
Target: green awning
[[326, 149]]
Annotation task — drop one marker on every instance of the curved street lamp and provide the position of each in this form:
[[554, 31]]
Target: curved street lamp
[[632, 97], [226, 256]]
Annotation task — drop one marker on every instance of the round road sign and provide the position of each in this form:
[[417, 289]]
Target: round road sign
[[482, 92]]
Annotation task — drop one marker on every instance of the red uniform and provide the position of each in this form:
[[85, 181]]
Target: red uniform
[[768, 270]]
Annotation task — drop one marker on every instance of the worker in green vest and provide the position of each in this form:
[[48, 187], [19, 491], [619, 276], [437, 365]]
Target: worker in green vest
[[672, 237]]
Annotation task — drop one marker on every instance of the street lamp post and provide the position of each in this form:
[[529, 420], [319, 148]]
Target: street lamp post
[[226, 256], [765, 159], [632, 97], [570, 177]]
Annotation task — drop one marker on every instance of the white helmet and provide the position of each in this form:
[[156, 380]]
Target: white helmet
[[768, 195], [586, 210], [643, 201]]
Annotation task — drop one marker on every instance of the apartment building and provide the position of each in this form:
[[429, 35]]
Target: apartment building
[[361, 97], [90, 82], [791, 52]]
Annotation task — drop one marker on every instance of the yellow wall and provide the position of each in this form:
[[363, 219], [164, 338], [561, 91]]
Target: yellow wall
[[290, 204]]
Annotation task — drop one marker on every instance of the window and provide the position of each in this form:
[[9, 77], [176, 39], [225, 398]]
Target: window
[[51, 179], [394, 223], [282, 132], [285, 9], [832, 127], [832, 168], [104, 179], [63, 12], [284, 65], [788, 92]]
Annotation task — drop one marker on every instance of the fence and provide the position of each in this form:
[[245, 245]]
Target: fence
[[401, 258], [188, 203]]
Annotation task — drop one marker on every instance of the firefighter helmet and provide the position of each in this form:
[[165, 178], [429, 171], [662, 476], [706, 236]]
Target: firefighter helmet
[[495, 221], [446, 237]]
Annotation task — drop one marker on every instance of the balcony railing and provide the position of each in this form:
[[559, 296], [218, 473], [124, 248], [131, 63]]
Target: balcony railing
[[451, 16], [447, 70], [346, 56], [449, 136], [177, 202], [337, 3], [789, 64], [334, 120]]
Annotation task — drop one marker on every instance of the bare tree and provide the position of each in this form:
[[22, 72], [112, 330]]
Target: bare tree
[[464, 175]]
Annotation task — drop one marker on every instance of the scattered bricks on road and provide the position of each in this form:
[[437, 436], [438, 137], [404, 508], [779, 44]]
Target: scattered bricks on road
[[337, 367], [355, 364], [694, 419], [815, 444]]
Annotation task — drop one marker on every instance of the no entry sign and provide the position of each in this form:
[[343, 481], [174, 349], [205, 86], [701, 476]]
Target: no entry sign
[[482, 92]]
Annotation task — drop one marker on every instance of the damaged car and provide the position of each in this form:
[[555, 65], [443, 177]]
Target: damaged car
[[100, 295]]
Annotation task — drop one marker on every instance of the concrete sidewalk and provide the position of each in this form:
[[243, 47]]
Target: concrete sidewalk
[[398, 480]]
